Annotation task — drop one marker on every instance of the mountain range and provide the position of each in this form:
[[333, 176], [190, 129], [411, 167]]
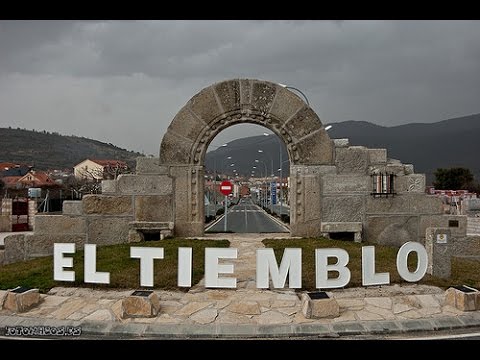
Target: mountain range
[[428, 146], [46, 150]]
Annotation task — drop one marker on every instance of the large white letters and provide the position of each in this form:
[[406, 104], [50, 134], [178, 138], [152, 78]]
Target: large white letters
[[91, 274], [184, 276], [322, 268], [402, 257], [291, 263], [267, 266], [213, 268], [369, 277], [60, 262], [146, 256]]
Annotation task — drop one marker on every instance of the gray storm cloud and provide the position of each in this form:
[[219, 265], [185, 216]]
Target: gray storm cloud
[[124, 81]]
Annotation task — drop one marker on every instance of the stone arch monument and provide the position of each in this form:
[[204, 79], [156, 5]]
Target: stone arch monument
[[231, 102], [334, 187]]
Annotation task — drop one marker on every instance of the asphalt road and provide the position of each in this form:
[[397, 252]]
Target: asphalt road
[[246, 217]]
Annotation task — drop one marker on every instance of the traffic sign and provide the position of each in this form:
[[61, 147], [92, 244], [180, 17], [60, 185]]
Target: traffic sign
[[273, 192], [226, 187]]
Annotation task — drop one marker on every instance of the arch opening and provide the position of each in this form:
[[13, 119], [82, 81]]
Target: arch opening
[[258, 168]]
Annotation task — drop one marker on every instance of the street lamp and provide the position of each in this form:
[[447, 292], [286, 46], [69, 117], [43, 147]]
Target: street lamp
[[265, 178], [215, 181], [273, 173], [281, 185], [294, 88]]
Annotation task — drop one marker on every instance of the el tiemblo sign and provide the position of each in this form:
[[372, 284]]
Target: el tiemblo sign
[[266, 266]]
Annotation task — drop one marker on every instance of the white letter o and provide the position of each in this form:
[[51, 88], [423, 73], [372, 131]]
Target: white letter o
[[402, 257]]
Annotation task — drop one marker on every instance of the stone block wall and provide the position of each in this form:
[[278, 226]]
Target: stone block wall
[[131, 200], [468, 247], [5, 223], [473, 225], [392, 220]]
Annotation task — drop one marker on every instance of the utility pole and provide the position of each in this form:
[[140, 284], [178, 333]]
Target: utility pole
[[271, 186], [281, 178], [215, 187], [226, 211]]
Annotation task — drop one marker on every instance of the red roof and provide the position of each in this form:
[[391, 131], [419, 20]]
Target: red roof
[[40, 179], [110, 163], [6, 165], [11, 180]]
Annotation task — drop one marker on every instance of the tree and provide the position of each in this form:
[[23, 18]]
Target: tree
[[77, 187], [453, 178]]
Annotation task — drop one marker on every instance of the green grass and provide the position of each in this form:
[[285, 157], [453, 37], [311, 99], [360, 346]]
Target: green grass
[[115, 259], [124, 271], [463, 271]]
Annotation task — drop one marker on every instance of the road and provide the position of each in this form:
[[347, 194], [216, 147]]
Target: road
[[455, 334], [246, 217]]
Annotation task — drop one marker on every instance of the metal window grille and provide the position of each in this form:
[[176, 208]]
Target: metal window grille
[[383, 185]]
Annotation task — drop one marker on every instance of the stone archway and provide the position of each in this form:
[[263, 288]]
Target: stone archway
[[238, 101]]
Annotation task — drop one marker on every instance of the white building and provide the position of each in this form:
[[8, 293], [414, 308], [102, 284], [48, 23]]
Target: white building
[[98, 169]]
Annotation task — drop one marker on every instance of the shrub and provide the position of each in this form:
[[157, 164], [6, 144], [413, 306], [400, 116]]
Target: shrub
[[209, 218]]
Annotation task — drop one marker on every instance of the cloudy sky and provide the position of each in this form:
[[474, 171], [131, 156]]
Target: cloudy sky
[[124, 81]]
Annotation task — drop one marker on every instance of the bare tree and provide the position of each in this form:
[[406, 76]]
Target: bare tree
[[112, 172]]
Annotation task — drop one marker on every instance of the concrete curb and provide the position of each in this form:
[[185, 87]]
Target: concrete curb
[[186, 331]]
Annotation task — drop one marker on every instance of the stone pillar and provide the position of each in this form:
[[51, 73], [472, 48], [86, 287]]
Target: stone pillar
[[305, 199], [439, 245], [189, 208], [6, 215], [6, 207], [32, 211]]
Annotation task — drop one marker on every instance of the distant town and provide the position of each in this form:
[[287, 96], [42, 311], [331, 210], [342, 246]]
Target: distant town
[[258, 168]]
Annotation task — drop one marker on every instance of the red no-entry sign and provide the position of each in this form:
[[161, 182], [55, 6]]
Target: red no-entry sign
[[226, 187]]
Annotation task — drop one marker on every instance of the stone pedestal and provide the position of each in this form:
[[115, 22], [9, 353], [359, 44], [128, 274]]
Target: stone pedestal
[[21, 299], [318, 305], [438, 243], [141, 303], [464, 298]]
